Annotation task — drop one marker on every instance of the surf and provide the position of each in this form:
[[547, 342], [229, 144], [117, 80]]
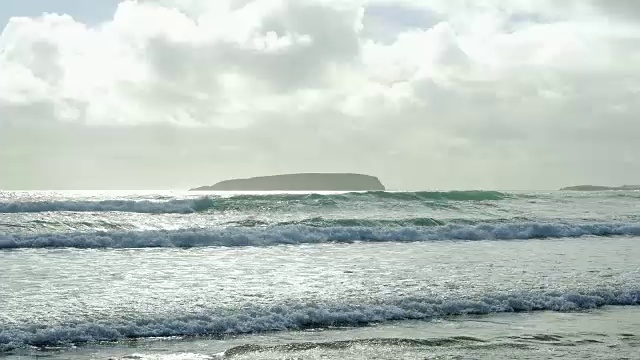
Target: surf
[[223, 202], [298, 316], [303, 234], [175, 206]]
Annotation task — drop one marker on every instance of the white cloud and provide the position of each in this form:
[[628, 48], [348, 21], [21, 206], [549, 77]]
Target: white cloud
[[474, 89]]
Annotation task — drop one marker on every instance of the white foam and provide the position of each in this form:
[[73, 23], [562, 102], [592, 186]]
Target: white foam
[[138, 206], [245, 201], [306, 315], [177, 356], [301, 234]]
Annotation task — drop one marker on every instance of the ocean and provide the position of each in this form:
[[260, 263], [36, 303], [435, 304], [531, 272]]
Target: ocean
[[363, 275]]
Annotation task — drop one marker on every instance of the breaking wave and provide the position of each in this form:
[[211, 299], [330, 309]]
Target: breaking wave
[[137, 206], [252, 349], [304, 234], [328, 222], [255, 319], [471, 195], [242, 201]]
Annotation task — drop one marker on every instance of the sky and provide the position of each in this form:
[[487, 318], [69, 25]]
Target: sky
[[440, 94]]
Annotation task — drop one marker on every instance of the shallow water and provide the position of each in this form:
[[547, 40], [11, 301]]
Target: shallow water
[[494, 275], [610, 333]]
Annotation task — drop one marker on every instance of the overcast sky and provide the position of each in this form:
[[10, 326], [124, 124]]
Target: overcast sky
[[439, 94]]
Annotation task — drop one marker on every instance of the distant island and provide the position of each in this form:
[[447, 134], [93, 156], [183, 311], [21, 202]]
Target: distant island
[[300, 182], [601, 188]]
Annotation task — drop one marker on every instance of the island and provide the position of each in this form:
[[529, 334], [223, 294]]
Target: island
[[300, 182], [601, 188]]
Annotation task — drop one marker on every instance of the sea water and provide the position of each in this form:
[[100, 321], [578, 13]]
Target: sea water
[[366, 275]]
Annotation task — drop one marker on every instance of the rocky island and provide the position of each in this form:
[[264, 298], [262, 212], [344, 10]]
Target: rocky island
[[601, 188], [300, 182]]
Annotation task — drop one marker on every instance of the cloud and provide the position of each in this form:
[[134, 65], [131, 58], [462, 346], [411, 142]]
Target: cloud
[[628, 9], [459, 94]]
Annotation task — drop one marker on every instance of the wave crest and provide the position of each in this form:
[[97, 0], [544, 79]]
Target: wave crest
[[470, 195], [243, 202], [306, 315], [303, 234], [137, 206]]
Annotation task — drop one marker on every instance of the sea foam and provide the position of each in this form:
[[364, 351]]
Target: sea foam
[[176, 206], [254, 319], [241, 201], [304, 234]]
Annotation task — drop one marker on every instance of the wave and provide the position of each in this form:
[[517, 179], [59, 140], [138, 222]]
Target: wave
[[348, 222], [471, 195], [249, 349], [242, 202], [470, 343], [303, 234], [284, 201], [252, 319], [140, 206]]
